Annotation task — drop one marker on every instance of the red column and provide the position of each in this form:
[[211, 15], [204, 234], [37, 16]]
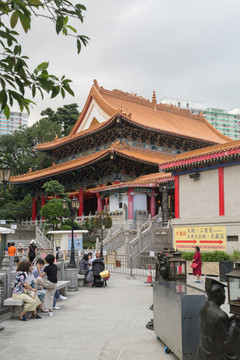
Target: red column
[[221, 191], [81, 202], [130, 204], [34, 209], [99, 202], [176, 179], [43, 203], [153, 204]]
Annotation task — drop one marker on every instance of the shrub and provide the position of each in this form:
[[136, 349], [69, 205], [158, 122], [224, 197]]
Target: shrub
[[68, 222], [188, 256], [207, 256], [108, 222], [235, 256], [66, 227]]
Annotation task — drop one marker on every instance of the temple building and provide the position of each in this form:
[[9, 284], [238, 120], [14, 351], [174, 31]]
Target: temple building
[[116, 147], [207, 197]]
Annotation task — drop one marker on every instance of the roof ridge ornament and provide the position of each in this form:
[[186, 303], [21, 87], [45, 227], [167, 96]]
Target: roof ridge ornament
[[154, 100]]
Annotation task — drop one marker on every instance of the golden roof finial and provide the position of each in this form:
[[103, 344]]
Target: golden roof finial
[[154, 100]]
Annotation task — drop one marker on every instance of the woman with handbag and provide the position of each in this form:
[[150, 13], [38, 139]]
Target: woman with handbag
[[197, 264], [23, 291]]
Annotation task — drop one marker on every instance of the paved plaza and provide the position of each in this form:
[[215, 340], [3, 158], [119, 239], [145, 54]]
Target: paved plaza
[[94, 324]]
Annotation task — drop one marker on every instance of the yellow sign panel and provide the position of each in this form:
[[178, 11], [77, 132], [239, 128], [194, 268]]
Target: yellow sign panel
[[206, 237]]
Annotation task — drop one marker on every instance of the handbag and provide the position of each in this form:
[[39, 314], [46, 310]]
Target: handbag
[[194, 265], [16, 259], [105, 274]]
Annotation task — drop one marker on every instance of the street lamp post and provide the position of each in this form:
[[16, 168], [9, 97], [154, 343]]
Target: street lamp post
[[5, 173], [73, 206]]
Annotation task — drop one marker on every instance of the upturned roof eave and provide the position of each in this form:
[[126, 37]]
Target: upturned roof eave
[[105, 154]]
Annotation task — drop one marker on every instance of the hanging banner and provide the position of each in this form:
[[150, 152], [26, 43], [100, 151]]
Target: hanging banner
[[206, 237]]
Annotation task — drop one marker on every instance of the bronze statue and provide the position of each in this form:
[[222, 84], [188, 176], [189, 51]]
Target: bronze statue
[[219, 334]]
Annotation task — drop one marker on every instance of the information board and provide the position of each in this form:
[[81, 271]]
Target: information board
[[206, 237]]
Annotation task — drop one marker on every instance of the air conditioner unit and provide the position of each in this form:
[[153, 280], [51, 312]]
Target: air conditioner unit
[[194, 175]]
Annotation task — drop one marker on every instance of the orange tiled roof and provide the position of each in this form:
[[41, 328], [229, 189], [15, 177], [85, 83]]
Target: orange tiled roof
[[156, 177], [122, 150], [142, 112], [150, 180], [204, 154]]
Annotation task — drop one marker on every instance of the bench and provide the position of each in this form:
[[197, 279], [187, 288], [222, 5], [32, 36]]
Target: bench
[[16, 306], [62, 287], [81, 279]]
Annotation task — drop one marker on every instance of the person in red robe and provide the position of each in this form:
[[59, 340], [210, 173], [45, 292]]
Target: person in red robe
[[197, 260]]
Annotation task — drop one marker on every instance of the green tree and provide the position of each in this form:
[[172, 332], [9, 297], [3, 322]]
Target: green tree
[[53, 187], [65, 116], [24, 208], [18, 148], [17, 209], [15, 74], [53, 212]]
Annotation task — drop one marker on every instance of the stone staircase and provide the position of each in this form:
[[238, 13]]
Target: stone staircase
[[149, 236], [25, 244], [24, 238]]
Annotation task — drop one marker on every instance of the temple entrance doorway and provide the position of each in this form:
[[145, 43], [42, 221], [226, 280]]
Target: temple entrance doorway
[[90, 204]]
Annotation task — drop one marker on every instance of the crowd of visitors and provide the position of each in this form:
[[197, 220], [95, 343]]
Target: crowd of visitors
[[35, 281], [37, 287]]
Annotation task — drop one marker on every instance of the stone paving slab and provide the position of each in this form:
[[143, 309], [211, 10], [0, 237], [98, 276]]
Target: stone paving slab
[[94, 323]]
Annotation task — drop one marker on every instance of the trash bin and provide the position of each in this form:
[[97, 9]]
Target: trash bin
[[225, 267]]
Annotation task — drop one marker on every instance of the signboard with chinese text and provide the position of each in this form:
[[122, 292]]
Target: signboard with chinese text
[[206, 237], [78, 243]]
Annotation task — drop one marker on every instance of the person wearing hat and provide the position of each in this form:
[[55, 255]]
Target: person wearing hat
[[32, 250], [219, 334], [19, 254]]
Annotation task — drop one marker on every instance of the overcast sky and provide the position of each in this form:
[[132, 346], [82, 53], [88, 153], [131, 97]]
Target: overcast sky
[[187, 49]]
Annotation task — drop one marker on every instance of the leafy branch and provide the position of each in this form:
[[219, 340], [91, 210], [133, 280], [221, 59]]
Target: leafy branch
[[15, 75]]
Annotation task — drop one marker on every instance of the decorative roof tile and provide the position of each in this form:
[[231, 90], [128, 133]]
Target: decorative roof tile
[[150, 180], [163, 118], [125, 151], [209, 153]]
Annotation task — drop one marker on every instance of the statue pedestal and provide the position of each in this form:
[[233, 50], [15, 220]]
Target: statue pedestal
[[72, 276]]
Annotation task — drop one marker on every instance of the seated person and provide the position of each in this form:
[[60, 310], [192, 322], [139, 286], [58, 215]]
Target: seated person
[[84, 263], [21, 287], [31, 281], [43, 291]]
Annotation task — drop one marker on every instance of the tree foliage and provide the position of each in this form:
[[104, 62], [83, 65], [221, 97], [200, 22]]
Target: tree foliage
[[18, 148], [53, 187], [53, 211], [17, 209], [15, 74], [65, 116]]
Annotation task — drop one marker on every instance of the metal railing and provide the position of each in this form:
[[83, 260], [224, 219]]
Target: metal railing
[[129, 265], [112, 241], [42, 238]]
